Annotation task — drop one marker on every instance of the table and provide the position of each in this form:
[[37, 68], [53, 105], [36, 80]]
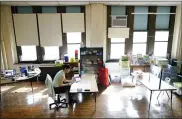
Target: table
[[151, 85], [87, 84], [31, 75]]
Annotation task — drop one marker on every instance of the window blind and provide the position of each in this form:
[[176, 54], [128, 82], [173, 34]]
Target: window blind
[[118, 10], [140, 20], [73, 9], [73, 22], [26, 29], [49, 9], [50, 29], [118, 32], [24, 9], [162, 20]]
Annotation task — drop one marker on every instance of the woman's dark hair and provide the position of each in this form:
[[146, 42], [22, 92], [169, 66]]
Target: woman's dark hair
[[66, 66]]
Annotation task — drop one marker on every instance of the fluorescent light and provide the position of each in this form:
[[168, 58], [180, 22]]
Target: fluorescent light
[[164, 13], [153, 13], [143, 13]]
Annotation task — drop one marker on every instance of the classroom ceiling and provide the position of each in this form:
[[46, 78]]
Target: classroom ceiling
[[85, 2]]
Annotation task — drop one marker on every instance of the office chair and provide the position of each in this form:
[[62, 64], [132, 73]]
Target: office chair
[[59, 103], [52, 93]]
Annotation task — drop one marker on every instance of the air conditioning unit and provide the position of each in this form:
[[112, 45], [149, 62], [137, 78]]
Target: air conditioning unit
[[119, 21]]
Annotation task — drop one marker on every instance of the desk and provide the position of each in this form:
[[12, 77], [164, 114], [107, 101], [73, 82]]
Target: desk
[[153, 85], [144, 67], [87, 84], [33, 74]]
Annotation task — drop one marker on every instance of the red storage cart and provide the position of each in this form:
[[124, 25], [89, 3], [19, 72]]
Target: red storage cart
[[103, 76]]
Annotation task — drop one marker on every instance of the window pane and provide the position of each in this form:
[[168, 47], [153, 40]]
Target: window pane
[[74, 37], [51, 53], [29, 53], [71, 50], [161, 35], [139, 49], [139, 37], [117, 40], [160, 51], [117, 50]]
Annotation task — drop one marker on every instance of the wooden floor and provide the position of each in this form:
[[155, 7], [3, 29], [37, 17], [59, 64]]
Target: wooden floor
[[17, 101]]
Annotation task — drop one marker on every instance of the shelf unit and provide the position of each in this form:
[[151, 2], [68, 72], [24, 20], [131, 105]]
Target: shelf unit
[[91, 58]]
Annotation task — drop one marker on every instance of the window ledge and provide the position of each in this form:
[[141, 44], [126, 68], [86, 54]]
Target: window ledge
[[35, 64]]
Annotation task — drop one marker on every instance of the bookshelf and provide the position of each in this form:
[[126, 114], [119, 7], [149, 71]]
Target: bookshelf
[[91, 58]]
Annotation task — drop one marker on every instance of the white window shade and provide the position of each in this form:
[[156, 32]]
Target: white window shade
[[50, 29], [26, 29], [118, 32], [73, 22]]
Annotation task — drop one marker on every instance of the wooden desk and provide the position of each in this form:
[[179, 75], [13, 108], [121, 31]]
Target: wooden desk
[[143, 67], [87, 84]]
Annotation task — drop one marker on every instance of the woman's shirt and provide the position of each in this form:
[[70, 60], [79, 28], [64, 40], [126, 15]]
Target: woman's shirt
[[57, 82]]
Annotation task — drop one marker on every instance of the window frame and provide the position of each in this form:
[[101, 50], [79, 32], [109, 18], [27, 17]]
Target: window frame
[[39, 49], [73, 43], [43, 54], [161, 41], [19, 54], [124, 43], [140, 42]]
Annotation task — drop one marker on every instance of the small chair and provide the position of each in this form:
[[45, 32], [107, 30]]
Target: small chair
[[57, 102]]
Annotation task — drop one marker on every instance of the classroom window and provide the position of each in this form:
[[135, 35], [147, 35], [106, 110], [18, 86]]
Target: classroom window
[[51, 53], [117, 48], [73, 43], [161, 43], [139, 43], [28, 53]]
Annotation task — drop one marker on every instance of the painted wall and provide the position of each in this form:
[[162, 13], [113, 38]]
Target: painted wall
[[177, 33], [96, 18]]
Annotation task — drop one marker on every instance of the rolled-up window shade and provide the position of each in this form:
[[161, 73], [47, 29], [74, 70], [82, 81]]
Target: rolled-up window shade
[[50, 29], [25, 9], [118, 10], [118, 32], [73, 22], [26, 29], [162, 20], [73, 9], [50, 9], [140, 20]]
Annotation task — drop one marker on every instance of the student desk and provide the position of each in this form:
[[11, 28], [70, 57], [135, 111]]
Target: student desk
[[87, 84]]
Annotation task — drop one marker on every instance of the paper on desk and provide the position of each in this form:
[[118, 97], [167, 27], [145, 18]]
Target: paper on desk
[[82, 84], [86, 84], [88, 76]]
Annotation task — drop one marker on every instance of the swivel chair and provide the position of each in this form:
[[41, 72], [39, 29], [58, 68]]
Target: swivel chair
[[58, 102]]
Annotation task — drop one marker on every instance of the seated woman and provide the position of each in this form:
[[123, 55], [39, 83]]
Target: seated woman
[[61, 85]]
